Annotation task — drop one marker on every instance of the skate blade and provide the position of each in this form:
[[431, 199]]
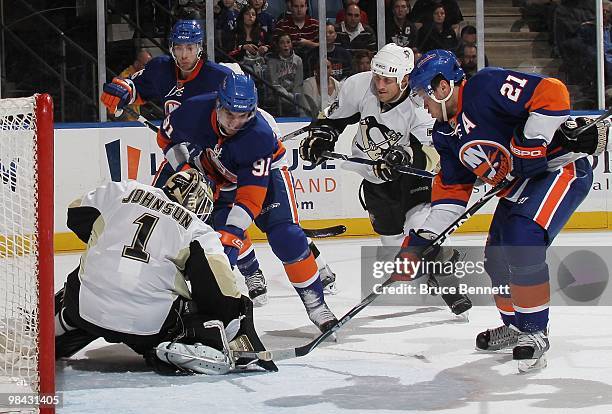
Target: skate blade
[[530, 365], [462, 318], [502, 351], [260, 301], [330, 289]]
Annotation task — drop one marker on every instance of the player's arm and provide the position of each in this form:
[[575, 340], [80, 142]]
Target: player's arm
[[176, 132], [136, 89], [83, 212], [344, 111]]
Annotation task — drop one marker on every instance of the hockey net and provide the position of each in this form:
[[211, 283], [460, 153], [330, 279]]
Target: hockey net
[[26, 247]]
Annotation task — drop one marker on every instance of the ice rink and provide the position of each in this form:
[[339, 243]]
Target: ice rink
[[387, 359]]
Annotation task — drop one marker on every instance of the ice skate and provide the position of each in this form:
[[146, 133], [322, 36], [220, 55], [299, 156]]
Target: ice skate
[[328, 279], [258, 290], [498, 339], [323, 317], [531, 351]]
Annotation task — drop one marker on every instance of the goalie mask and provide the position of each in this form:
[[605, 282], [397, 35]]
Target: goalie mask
[[192, 190]]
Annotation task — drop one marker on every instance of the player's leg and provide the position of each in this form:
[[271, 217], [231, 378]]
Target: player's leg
[[505, 336], [289, 244], [69, 337], [327, 276]]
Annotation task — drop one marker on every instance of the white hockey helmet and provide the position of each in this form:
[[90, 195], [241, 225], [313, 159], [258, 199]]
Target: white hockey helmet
[[393, 61]]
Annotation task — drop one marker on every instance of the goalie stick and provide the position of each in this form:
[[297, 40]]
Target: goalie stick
[[313, 233], [280, 354]]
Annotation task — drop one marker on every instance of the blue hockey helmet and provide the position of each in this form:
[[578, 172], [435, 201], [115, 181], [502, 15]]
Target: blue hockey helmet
[[237, 93], [186, 32], [431, 64]]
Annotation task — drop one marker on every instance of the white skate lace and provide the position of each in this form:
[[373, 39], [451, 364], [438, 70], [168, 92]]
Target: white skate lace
[[320, 315], [536, 340], [502, 336], [255, 281]]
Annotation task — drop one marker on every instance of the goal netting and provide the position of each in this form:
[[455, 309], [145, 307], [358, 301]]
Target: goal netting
[[26, 245]]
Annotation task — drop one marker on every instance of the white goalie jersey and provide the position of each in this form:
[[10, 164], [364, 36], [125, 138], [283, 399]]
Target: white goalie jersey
[[138, 242], [379, 127]]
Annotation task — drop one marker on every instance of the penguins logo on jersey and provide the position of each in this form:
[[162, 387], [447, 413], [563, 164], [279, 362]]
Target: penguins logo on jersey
[[487, 159], [376, 137]]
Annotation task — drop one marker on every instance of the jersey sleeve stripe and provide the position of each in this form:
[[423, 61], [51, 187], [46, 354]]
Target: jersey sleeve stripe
[[450, 193], [550, 97], [162, 141]]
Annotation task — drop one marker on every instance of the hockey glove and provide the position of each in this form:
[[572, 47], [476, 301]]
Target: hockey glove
[[528, 155], [117, 94], [320, 138], [391, 158], [232, 240], [413, 252], [593, 141]]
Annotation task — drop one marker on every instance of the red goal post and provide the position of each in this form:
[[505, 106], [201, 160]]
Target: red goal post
[[27, 342]]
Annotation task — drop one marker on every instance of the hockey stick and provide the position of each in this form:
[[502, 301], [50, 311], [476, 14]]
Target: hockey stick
[[399, 168], [139, 117], [325, 231], [295, 133], [288, 353], [578, 131]]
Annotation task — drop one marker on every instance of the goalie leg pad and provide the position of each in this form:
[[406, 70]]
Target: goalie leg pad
[[197, 358]]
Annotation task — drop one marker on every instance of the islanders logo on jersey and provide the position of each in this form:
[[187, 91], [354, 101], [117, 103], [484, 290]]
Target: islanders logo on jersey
[[489, 160]]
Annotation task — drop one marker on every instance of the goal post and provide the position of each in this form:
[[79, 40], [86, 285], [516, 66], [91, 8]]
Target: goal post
[[27, 340]]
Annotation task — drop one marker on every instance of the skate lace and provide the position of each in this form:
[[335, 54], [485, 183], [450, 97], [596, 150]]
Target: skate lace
[[536, 340], [502, 335], [321, 314], [255, 281]]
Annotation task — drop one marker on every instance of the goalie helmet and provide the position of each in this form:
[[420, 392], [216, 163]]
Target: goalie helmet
[[393, 61], [192, 190]]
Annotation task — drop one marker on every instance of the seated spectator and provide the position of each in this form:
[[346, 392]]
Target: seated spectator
[[225, 20], [363, 16], [468, 57], [303, 29], [362, 60], [422, 10], [352, 35], [437, 33], [399, 29], [468, 38], [312, 90], [265, 19], [248, 39], [339, 57], [284, 71], [287, 11], [142, 58]]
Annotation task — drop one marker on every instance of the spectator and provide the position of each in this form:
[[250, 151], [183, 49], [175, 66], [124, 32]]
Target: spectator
[[468, 38], [361, 61], [312, 90], [422, 10], [287, 11], [142, 58], [363, 17], [226, 19], [468, 57], [303, 29], [249, 39], [353, 35], [285, 73], [399, 29], [437, 33], [265, 19], [190, 10], [339, 57]]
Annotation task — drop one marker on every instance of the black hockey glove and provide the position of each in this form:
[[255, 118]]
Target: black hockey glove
[[320, 138], [391, 158], [593, 141]]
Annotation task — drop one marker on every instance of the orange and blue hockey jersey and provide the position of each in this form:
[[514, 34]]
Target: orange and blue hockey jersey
[[244, 159], [476, 141], [159, 80]]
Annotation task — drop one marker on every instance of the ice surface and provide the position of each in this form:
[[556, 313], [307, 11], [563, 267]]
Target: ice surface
[[387, 359]]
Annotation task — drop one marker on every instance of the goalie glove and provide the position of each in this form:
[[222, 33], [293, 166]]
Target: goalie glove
[[393, 157], [320, 138], [117, 94], [593, 141], [528, 155]]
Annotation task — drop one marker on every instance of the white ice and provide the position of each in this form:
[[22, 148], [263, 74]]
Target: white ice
[[387, 359]]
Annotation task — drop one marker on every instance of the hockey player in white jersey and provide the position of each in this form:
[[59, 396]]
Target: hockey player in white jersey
[[154, 277], [392, 131]]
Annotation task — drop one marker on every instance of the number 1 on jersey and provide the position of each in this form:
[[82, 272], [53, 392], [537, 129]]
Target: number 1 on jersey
[[513, 91], [136, 251]]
